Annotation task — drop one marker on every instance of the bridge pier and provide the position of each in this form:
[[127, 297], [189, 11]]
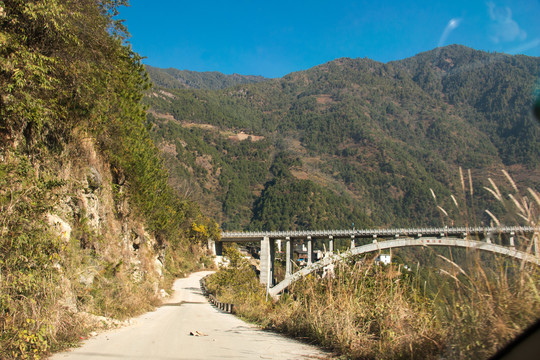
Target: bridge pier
[[288, 256], [267, 261], [488, 237], [212, 246], [309, 250], [216, 247], [512, 244], [536, 249], [483, 238]]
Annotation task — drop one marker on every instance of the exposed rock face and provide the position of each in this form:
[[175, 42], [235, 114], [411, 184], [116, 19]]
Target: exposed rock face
[[158, 265], [68, 301], [86, 277], [60, 226], [90, 205], [100, 322], [163, 294], [94, 179], [109, 244]]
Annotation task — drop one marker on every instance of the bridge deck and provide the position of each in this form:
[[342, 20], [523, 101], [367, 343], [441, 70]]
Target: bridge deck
[[472, 237], [229, 236]]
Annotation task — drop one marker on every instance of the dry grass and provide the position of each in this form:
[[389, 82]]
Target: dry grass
[[365, 312], [468, 310], [382, 312], [488, 308]]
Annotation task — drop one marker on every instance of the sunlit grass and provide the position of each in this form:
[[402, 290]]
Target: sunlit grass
[[444, 309]]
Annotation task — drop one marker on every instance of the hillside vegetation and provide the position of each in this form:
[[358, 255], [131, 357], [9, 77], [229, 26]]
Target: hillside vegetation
[[431, 302], [430, 310], [185, 79], [88, 224], [353, 140]]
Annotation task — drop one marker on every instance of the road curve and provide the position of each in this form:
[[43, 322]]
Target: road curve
[[164, 334]]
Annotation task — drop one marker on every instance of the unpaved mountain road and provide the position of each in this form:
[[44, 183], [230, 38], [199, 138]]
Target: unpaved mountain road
[[164, 334]]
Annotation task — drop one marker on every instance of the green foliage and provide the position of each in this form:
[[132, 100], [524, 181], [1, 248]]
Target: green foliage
[[66, 75], [29, 252], [383, 134], [238, 284], [492, 90], [59, 76], [185, 79], [55, 71], [203, 229], [289, 204], [29, 343]]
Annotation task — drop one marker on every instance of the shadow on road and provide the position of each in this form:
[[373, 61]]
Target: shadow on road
[[185, 302]]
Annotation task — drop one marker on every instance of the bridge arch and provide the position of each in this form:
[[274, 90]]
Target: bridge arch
[[403, 242]]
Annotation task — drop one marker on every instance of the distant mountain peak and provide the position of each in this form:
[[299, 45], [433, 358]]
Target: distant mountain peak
[[172, 78]]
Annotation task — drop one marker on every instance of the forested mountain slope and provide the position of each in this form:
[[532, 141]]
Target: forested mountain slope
[[185, 79], [354, 140], [492, 91]]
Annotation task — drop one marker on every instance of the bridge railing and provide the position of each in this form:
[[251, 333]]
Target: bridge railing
[[381, 232], [403, 242]]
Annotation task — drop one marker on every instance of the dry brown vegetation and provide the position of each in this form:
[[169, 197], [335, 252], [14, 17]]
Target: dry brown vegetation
[[465, 305], [375, 312], [59, 282]]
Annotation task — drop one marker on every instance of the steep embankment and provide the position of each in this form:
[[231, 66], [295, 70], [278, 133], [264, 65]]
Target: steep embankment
[[88, 224], [354, 140]]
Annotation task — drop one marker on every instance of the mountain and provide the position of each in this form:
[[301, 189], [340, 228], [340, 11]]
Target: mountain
[[496, 87], [354, 141], [185, 79]]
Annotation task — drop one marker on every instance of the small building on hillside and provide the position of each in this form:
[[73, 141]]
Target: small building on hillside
[[301, 251], [384, 259]]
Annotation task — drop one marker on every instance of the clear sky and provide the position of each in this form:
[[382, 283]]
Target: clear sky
[[275, 37]]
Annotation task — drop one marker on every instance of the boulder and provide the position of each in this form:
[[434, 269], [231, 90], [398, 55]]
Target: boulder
[[60, 226], [94, 179]]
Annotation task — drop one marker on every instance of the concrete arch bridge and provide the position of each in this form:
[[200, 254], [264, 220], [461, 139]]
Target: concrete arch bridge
[[499, 240]]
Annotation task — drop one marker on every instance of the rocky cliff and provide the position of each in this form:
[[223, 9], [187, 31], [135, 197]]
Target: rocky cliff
[[89, 228]]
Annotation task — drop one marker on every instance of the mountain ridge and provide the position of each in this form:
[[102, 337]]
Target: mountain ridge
[[187, 79], [384, 133]]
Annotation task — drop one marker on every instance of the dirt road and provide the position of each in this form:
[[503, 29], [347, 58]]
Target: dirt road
[[165, 334]]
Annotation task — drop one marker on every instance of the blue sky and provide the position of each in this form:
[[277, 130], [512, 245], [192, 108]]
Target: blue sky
[[274, 38]]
